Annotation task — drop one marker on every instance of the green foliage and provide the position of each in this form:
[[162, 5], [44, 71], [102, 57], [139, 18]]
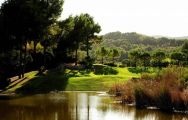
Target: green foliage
[[158, 58], [79, 33], [104, 70], [185, 48], [26, 21], [145, 58], [114, 53], [134, 56], [134, 41], [178, 58]]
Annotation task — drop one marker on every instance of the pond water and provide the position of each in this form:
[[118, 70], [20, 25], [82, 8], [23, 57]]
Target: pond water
[[76, 106]]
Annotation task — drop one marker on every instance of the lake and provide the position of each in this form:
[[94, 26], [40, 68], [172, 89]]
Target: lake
[[76, 106]]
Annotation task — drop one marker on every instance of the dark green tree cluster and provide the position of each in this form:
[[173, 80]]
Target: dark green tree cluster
[[79, 33], [23, 21], [181, 57], [32, 36], [157, 59], [108, 56], [146, 59]]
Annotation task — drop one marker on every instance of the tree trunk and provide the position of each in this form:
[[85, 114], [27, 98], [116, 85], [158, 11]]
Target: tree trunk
[[20, 65], [87, 48], [20, 60], [24, 60], [102, 60], [44, 52], [35, 47], [76, 56], [113, 59]]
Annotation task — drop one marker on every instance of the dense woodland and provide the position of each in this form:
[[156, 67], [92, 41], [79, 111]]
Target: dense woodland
[[135, 41], [32, 37], [134, 47]]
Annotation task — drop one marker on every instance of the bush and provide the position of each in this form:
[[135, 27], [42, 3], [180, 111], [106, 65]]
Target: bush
[[88, 62], [104, 70]]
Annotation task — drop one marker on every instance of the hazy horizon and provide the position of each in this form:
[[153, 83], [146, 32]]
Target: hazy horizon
[[149, 17]]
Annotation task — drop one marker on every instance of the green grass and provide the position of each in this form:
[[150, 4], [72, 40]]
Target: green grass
[[71, 81], [92, 82]]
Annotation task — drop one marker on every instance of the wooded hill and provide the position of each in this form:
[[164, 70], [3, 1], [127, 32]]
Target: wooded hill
[[135, 41]]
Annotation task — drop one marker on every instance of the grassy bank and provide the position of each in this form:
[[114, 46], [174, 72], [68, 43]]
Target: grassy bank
[[71, 80]]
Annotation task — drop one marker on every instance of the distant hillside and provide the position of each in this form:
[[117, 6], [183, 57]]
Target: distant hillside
[[177, 38], [131, 41]]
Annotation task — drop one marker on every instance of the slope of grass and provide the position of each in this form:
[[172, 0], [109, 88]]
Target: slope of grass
[[92, 82], [18, 83], [70, 81]]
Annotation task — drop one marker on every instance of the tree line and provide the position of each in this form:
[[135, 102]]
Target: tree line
[[135, 58], [134, 41]]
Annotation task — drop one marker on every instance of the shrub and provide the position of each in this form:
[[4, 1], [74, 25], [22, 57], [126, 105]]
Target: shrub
[[88, 62], [104, 70], [148, 76]]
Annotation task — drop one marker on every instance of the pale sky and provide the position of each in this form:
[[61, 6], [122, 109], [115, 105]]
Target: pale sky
[[150, 17]]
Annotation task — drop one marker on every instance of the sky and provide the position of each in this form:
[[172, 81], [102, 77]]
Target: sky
[[150, 17]]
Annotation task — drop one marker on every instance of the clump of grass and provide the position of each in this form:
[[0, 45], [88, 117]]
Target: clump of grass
[[124, 91], [148, 76], [166, 91]]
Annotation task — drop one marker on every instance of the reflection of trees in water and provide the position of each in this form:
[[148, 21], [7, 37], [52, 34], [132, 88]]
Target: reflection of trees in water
[[35, 109], [75, 106], [116, 107], [144, 114]]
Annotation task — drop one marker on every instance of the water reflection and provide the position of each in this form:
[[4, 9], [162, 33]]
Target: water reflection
[[76, 106]]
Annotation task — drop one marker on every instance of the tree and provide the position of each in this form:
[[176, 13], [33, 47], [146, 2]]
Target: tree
[[178, 57], [185, 48], [114, 53], [185, 52], [134, 56], [145, 57], [89, 29], [49, 40], [27, 20], [159, 57], [79, 33], [103, 52], [66, 39], [85, 29]]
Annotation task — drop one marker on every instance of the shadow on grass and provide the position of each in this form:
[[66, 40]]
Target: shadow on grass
[[44, 84]]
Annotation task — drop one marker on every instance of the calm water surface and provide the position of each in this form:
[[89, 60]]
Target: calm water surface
[[76, 106]]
